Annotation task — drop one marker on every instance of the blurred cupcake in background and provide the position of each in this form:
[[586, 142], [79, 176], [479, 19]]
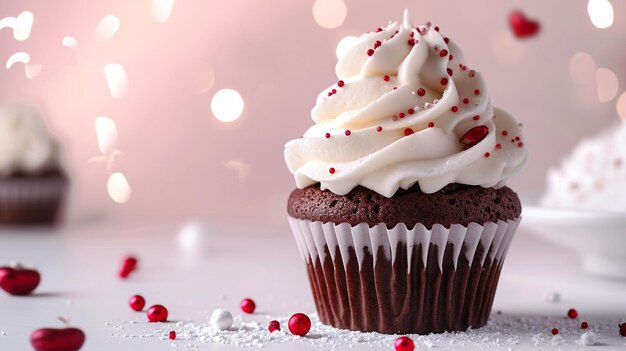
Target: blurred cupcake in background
[[592, 176], [33, 184]]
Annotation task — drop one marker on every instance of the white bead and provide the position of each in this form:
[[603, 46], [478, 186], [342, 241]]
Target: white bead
[[589, 338], [221, 319]]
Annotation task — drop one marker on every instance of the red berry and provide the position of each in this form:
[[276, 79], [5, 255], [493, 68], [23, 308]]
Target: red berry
[[130, 262], [411, 41], [520, 144], [444, 81], [437, 29], [157, 313], [431, 124], [421, 92], [172, 335], [410, 111], [401, 115], [386, 78], [466, 101], [404, 343], [408, 131], [137, 302], [487, 154], [498, 146], [476, 118], [505, 133], [472, 73], [446, 40], [584, 325], [247, 305], [555, 331], [443, 52], [379, 29], [455, 109], [331, 170], [370, 52], [516, 138], [273, 326], [622, 329], [572, 313], [327, 135], [379, 129], [377, 43], [476, 91], [451, 57], [347, 132], [474, 136], [340, 83], [299, 324]]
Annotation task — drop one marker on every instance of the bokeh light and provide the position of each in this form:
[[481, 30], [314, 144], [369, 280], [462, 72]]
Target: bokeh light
[[582, 68], [118, 188], [160, 10], [607, 84], [239, 166], [32, 70], [227, 105], [21, 25], [106, 132], [70, 42], [621, 106], [106, 29], [329, 13], [116, 79], [600, 13], [22, 57]]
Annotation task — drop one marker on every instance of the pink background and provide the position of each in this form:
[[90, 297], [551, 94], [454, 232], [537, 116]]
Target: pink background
[[279, 59]]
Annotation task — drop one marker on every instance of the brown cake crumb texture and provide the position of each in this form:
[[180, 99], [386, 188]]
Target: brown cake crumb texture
[[454, 204]]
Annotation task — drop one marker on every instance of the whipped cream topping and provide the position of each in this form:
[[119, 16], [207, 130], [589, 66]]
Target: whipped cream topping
[[592, 176], [398, 116], [26, 146]]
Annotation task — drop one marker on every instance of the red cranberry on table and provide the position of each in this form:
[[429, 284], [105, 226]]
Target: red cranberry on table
[[299, 324], [622, 329], [137, 302], [572, 313], [18, 280], [521, 26], [51, 339], [273, 326], [172, 335], [129, 264], [157, 313], [404, 343], [247, 305]]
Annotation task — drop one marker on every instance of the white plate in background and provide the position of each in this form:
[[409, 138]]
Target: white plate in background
[[599, 237]]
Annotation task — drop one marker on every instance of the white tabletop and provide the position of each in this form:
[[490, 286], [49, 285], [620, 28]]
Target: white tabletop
[[79, 280]]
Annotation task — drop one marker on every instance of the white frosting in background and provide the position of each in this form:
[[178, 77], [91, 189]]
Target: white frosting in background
[[26, 146], [386, 160], [592, 176]]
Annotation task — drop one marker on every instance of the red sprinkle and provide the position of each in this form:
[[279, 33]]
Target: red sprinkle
[[555, 331], [505, 133], [327, 135], [379, 29], [466, 101], [410, 111], [273, 326], [370, 52], [487, 154], [437, 29], [431, 124], [377, 43], [386, 78], [172, 335], [584, 325], [498, 146], [394, 88], [476, 91], [443, 53], [474, 136], [472, 73], [394, 118], [451, 57], [476, 118], [622, 329], [247, 305], [408, 131], [455, 109], [412, 34], [572, 313], [449, 71], [379, 129], [137, 302], [411, 41], [444, 81], [347, 132], [157, 313], [516, 138], [340, 83], [334, 91], [331, 170], [404, 343], [421, 92], [401, 115], [299, 324], [446, 40], [520, 144]]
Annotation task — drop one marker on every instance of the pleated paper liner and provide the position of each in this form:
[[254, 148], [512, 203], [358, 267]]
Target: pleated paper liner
[[403, 280], [32, 200]]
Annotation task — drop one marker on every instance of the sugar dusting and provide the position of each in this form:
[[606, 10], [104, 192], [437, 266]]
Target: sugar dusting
[[503, 331]]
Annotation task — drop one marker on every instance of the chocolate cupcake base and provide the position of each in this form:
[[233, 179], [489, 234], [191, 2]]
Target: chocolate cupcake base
[[32, 200], [403, 280]]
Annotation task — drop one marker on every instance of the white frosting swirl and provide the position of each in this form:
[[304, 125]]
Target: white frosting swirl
[[379, 100], [26, 146]]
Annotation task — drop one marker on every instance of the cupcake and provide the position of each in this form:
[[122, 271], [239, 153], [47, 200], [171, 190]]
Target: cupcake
[[32, 182], [401, 212], [593, 176]]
